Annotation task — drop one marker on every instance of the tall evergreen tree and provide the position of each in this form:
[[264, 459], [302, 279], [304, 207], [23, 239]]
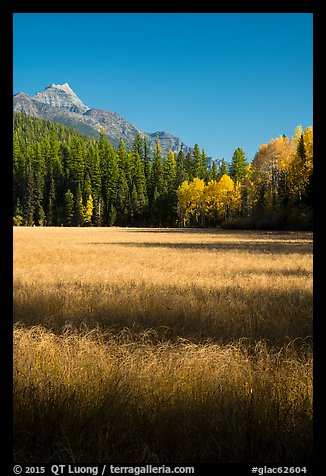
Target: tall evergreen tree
[[124, 162], [78, 208], [198, 162], [28, 194], [181, 169], [69, 208], [138, 146], [204, 160], [169, 198], [213, 172], [147, 161], [77, 152], [18, 169], [189, 162], [123, 200], [38, 165], [140, 204], [156, 179], [170, 171], [95, 171], [238, 165], [50, 211], [110, 175]]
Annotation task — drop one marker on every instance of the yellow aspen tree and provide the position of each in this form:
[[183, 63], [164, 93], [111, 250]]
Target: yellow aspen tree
[[211, 201], [229, 196], [88, 211], [183, 206], [297, 135], [222, 198], [190, 202], [308, 143], [271, 164], [196, 200]]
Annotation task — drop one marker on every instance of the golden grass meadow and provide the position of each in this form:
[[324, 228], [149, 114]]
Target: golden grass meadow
[[164, 346]]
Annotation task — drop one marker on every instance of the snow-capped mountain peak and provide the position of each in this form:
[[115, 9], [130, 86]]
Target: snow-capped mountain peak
[[62, 96]]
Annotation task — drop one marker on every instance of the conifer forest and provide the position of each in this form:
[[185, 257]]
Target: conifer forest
[[63, 178]]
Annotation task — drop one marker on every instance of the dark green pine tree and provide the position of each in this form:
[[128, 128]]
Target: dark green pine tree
[[18, 169], [181, 169], [28, 187], [156, 184], [123, 200], [134, 206], [110, 175], [124, 162], [65, 164], [238, 165], [169, 205], [113, 183], [38, 165], [213, 172], [147, 162], [28, 194], [95, 171], [98, 211], [50, 210], [78, 219], [53, 183], [113, 215], [69, 209], [157, 169], [60, 187], [140, 205], [169, 171], [190, 166], [205, 170], [198, 163], [138, 146], [77, 152]]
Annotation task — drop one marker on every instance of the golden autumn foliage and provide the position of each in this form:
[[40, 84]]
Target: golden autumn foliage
[[272, 157], [275, 190], [308, 143], [190, 197], [88, 211], [214, 201], [222, 197], [282, 170]]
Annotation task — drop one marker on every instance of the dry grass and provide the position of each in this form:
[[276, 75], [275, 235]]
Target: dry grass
[[197, 285], [165, 346]]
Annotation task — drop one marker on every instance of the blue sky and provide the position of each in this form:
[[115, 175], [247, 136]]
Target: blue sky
[[219, 80]]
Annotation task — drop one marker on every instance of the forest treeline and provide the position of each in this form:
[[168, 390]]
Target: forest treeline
[[62, 178]]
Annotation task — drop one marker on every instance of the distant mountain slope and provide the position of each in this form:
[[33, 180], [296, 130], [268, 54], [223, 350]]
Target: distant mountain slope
[[59, 103], [34, 108]]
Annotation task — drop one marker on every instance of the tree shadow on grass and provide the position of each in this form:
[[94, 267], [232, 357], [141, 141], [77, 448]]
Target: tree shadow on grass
[[252, 247], [219, 315], [285, 234]]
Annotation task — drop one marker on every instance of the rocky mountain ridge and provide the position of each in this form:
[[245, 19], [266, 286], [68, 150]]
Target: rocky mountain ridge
[[59, 103]]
